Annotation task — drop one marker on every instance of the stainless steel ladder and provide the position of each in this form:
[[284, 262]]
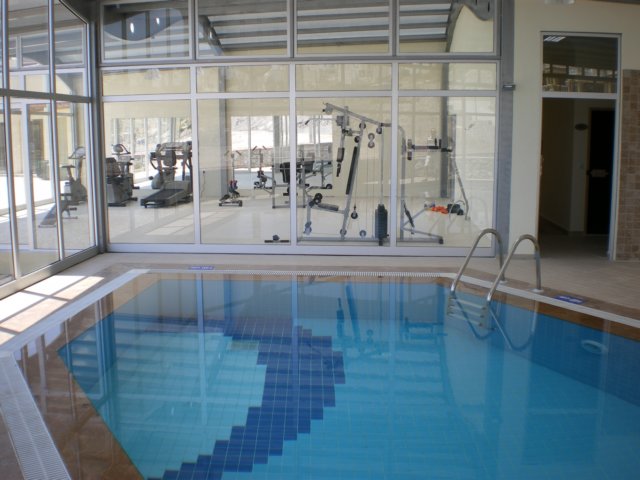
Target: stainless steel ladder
[[484, 232], [481, 314], [536, 255]]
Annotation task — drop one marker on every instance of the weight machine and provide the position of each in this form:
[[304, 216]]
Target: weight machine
[[317, 203]]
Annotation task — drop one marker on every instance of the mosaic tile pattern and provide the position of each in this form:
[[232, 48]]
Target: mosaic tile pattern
[[300, 377], [628, 247], [425, 397]]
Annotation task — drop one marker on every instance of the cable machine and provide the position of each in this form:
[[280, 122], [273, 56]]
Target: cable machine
[[343, 118]]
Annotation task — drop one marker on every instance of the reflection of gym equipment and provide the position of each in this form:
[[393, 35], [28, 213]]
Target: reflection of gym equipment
[[165, 160], [316, 202], [120, 183], [231, 198], [74, 191]]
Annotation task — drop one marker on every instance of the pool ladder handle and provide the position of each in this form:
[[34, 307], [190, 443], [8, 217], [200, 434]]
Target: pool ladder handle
[[536, 254], [486, 231], [466, 308]]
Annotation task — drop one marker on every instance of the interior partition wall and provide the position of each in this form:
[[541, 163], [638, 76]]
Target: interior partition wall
[[300, 127], [47, 216]]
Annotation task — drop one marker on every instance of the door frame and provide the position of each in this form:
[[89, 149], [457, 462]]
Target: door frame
[[615, 174]]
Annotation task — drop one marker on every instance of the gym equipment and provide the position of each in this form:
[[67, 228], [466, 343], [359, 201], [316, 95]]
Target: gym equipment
[[447, 182], [263, 178], [165, 160], [450, 162], [409, 225], [74, 191], [73, 186], [120, 183], [316, 202], [230, 199]]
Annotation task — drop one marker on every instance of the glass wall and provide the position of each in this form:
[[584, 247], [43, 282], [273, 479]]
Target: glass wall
[[70, 47], [6, 248], [29, 45], [149, 168], [34, 185], [141, 30], [72, 154], [336, 27], [47, 215], [242, 28], [446, 152], [382, 145], [244, 165]]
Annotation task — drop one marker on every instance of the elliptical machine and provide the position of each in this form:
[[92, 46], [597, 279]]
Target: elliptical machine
[[120, 183]]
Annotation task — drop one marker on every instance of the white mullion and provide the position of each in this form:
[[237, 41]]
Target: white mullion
[[195, 159], [393, 181], [293, 158]]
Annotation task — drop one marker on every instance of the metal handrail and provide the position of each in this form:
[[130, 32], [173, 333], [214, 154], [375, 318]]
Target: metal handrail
[[484, 232], [536, 247]]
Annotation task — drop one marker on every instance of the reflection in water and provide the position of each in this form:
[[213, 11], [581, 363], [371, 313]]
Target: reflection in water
[[287, 378]]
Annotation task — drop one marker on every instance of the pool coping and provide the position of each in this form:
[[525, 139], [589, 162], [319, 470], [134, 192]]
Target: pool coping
[[15, 396]]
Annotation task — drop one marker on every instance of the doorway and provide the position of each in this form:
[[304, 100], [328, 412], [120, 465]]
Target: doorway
[[576, 180], [580, 93], [601, 143]]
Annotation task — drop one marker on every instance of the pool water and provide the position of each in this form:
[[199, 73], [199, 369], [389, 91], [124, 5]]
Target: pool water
[[295, 378]]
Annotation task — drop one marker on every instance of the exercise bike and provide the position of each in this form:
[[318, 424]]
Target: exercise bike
[[74, 192], [120, 182]]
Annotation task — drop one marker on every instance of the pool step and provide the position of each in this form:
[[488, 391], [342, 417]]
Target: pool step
[[468, 311]]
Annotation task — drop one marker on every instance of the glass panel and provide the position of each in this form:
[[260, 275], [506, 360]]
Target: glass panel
[[74, 179], [446, 169], [36, 204], [147, 81], [579, 64], [2, 66], [344, 76], [69, 34], [447, 76], [29, 42], [360, 26], [446, 26], [137, 30], [151, 151], [342, 169], [244, 147], [6, 249], [252, 78], [242, 28]]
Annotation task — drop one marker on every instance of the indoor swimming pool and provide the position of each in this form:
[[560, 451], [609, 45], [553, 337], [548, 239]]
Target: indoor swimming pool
[[208, 376]]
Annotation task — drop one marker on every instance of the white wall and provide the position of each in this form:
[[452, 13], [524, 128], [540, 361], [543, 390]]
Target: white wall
[[531, 18]]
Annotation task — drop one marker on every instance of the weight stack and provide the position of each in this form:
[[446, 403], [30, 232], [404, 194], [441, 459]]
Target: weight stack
[[381, 224]]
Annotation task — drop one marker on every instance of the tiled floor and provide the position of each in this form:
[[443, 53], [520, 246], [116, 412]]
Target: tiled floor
[[579, 269]]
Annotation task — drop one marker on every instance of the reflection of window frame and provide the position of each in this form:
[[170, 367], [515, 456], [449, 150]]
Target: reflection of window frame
[[157, 5]]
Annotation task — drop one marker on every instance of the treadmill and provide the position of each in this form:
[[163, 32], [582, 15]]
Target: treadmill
[[167, 156]]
